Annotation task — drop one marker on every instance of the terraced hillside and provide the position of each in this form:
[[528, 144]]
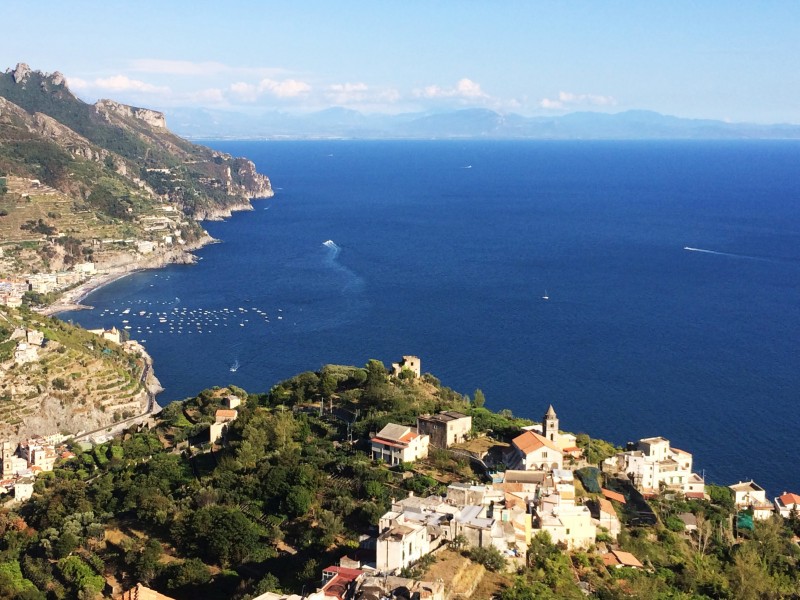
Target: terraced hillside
[[97, 178], [75, 381]]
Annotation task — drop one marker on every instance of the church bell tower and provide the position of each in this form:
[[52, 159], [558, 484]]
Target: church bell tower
[[550, 424]]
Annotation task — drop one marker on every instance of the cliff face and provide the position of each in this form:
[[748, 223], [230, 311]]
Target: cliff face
[[152, 118], [134, 143], [88, 182]]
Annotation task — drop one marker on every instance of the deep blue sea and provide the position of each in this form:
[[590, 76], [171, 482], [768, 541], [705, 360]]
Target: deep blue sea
[[445, 249]]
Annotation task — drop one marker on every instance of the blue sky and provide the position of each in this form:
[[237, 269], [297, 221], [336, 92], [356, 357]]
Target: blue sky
[[737, 61]]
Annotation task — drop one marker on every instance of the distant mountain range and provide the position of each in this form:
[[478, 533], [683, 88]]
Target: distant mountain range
[[462, 124]]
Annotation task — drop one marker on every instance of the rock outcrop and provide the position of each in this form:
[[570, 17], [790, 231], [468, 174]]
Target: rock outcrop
[[152, 117]]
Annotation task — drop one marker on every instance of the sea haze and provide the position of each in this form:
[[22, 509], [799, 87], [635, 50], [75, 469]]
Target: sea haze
[[445, 249]]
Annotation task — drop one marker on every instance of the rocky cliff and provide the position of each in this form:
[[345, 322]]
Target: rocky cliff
[[91, 181], [132, 142]]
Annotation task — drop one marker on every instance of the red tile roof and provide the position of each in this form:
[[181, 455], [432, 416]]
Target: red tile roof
[[619, 558], [613, 495], [789, 498], [530, 441]]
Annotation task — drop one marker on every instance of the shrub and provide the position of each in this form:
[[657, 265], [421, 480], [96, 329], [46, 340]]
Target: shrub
[[490, 557]]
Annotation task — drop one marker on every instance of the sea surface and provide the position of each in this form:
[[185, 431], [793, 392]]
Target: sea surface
[[672, 271]]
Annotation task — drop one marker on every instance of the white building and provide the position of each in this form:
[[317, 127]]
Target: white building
[[655, 463], [566, 523], [787, 503], [750, 495], [395, 444], [400, 543], [531, 451], [23, 489]]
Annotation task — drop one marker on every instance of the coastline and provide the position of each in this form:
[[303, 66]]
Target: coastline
[[73, 299]]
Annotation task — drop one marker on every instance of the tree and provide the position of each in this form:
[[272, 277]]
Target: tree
[[478, 399], [298, 501], [223, 534], [191, 572], [76, 572]]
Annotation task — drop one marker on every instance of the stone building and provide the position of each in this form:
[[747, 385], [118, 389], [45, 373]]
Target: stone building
[[409, 363], [445, 428]]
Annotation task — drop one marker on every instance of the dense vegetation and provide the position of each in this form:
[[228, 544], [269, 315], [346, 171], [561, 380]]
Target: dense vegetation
[[288, 494]]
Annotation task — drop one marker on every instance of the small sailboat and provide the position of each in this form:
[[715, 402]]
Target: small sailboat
[[545, 297]]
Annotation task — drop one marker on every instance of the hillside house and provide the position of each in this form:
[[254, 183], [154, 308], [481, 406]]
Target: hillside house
[[395, 444], [606, 517], [653, 464], [23, 489], [401, 542], [223, 417], [112, 335], [750, 495], [786, 503], [616, 559], [445, 428]]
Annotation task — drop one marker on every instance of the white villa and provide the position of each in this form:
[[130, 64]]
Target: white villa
[[395, 444], [750, 495], [787, 503], [655, 463]]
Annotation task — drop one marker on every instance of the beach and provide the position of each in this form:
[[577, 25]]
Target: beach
[[72, 299]]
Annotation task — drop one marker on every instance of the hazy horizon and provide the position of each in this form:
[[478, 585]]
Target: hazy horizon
[[711, 61]]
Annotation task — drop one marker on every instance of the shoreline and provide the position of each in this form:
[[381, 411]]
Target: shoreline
[[73, 299]]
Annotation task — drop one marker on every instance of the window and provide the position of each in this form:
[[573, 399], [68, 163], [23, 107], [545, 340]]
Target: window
[[544, 454]]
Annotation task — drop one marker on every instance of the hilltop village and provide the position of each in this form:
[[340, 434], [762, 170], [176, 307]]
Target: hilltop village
[[359, 483]]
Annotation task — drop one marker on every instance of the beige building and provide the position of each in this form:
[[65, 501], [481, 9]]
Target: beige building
[[445, 428], [23, 489], [395, 444], [750, 495], [607, 517], [534, 452], [409, 363], [400, 543], [112, 335]]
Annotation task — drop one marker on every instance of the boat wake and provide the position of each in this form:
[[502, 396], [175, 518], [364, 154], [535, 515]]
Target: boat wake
[[352, 281], [333, 247], [731, 254]]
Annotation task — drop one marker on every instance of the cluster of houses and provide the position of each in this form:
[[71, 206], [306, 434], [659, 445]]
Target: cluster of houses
[[22, 462], [536, 494], [12, 290]]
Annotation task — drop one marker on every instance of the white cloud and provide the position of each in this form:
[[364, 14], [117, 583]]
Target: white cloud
[[246, 92], [464, 89], [288, 88], [571, 100], [209, 95], [347, 93], [116, 83]]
